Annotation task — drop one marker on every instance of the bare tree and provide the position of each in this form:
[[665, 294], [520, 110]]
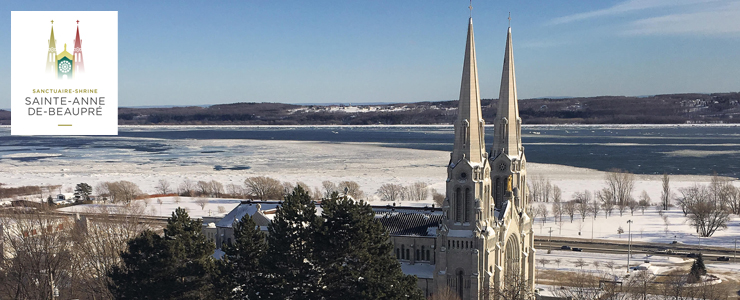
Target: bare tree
[[665, 196], [390, 192], [186, 188], [101, 189], [543, 261], [264, 188], [570, 209], [203, 188], [542, 210], [632, 204], [438, 198], [606, 198], [547, 190], [317, 194], [557, 194], [705, 212], [418, 191], [303, 185], [201, 202], [288, 188], [583, 203], [580, 263], [733, 200], [163, 187], [644, 201], [329, 188], [217, 189], [621, 184], [352, 189], [122, 191], [537, 188], [557, 211], [610, 265], [595, 208], [37, 256]]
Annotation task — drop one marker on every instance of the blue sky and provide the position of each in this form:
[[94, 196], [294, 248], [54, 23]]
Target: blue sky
[[208, 52]]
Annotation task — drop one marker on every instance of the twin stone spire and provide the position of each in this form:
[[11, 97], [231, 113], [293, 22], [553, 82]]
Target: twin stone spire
[[469, 126]]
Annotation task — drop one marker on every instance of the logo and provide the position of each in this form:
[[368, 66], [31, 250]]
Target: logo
[[65, 65], [53, 91]]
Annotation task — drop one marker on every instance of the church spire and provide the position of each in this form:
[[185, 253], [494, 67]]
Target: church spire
[[51, 55], [469, 142], [79, 62], [507, 123]]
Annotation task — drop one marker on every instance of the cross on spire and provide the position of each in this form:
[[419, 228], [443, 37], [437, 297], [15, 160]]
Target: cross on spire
[[78, 21], [509, 18], [471, 8], [52, 22]]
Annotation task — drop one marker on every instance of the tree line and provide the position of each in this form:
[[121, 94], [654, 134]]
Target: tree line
[[343, 253]]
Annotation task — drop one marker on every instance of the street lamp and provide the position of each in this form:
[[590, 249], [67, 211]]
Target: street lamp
[[629, 244], [549, 242], [734, 256]]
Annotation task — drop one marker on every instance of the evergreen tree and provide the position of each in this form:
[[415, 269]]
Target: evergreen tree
[[291, 272], [176, 266], [240, 267], [697, 269], [356, 255], [83, 190]]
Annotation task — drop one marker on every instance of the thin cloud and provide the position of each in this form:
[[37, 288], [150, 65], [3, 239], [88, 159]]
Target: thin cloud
[[626, 7], [719, 21]]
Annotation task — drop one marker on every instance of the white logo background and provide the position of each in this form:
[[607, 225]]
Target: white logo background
[[30, 31]]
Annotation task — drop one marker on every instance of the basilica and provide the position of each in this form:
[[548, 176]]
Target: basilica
[[481, 241]]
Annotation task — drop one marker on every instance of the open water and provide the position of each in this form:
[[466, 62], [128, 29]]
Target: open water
[[647, 149]]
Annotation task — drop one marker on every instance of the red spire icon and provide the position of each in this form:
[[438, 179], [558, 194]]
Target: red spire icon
[[79, 62]]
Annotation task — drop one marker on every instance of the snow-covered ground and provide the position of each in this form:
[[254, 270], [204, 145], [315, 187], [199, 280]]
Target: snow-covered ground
[[599, 263], [650, 227], [214, 207]]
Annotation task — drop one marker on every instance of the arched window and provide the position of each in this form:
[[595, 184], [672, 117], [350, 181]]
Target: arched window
[[398, 255], [408, 256], [459, 205], [417, 255], [429, 258], [468, 198], [460, 284]]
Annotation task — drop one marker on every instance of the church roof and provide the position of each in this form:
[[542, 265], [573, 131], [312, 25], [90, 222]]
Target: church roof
[[416, 223], [65, 54], [508, 105]]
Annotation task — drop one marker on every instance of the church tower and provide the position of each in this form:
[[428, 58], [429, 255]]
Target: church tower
[[509, 180], [460, 262], [79, 62], [51, 56]]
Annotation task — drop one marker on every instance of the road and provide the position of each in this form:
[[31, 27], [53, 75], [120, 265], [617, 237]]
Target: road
[[611, 246]]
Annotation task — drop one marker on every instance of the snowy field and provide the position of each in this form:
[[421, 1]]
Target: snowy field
[[214, 207], [650, 227]]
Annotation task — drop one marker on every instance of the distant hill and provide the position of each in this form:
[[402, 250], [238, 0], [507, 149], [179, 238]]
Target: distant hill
[[657, 109]]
